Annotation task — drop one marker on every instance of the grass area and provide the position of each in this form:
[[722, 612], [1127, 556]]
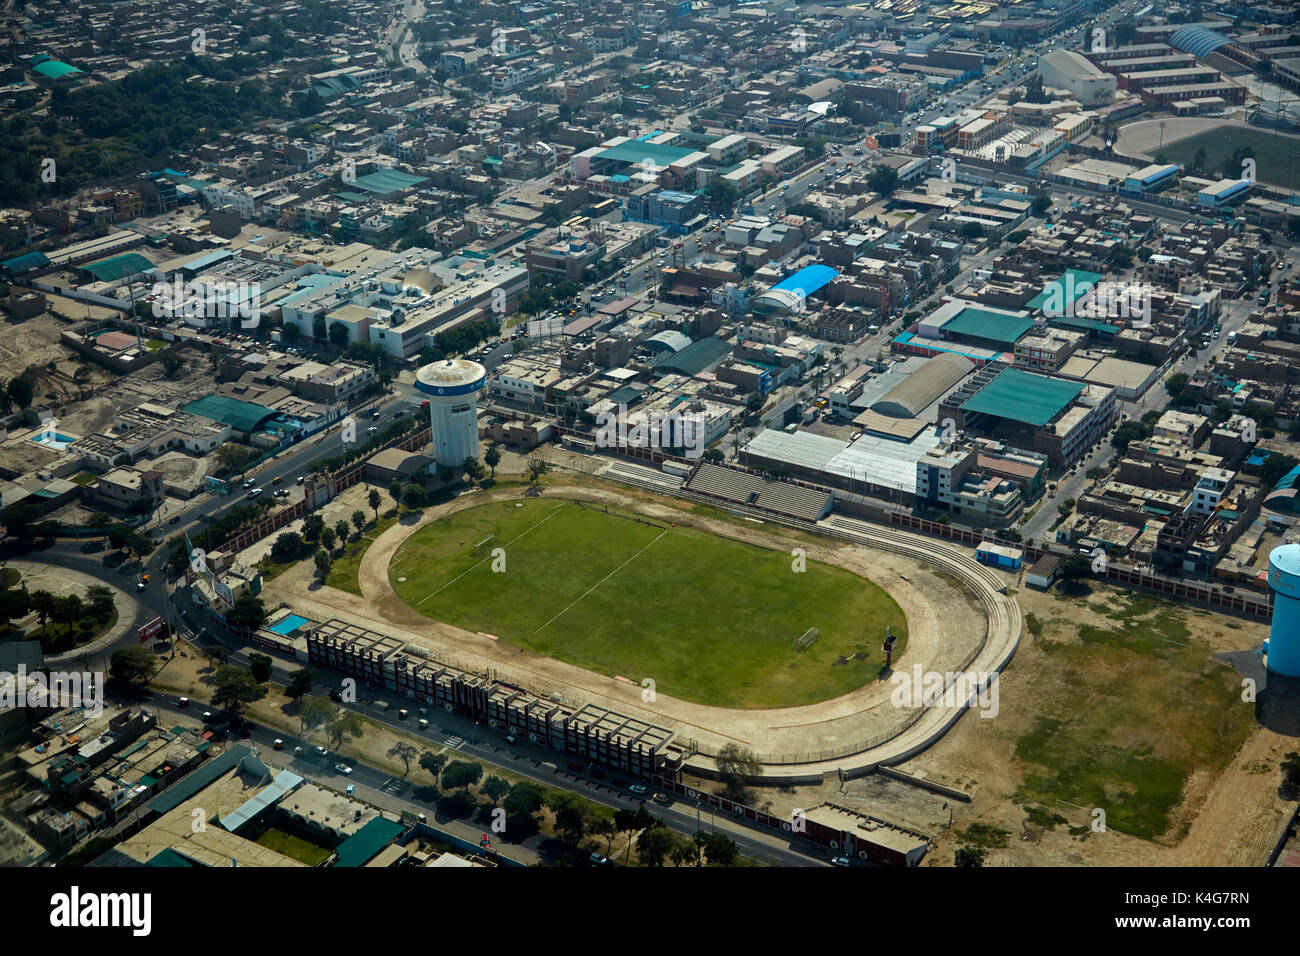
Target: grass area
[[1272, 152], [707, 618], [155, 345], [1148, 708], [985, 835], [56, 638], [343, 572], [296, 848], [12, 577], [84, 478]]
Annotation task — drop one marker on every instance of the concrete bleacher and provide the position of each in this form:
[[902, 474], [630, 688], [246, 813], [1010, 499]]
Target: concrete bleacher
[[797, 501]]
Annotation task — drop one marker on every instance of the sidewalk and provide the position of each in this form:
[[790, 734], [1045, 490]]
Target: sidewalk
[[47, 577]]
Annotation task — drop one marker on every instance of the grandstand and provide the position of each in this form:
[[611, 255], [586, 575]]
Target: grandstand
[[767, 493]]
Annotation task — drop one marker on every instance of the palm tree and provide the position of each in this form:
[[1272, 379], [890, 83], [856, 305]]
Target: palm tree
[[492, 457], [375, 499]]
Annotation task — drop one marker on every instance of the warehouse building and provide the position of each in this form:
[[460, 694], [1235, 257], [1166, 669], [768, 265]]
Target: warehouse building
[[1070, 71], [1050, 416]]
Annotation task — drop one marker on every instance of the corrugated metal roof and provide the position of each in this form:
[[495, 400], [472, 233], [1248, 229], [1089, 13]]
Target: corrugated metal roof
[[366, 842]]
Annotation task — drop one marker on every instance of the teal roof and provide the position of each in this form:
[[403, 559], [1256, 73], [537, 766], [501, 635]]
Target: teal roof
[[994, 326], [170, 857], [1024, 397], [27, 261], [241, 416], [359, 848], [387, 181], [53, 69], [1072, 286], [118, 267], [637, 151]]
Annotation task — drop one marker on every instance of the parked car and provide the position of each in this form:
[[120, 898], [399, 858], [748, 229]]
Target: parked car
[[637, 789], [841, 861], [301, 479], [661, 798]]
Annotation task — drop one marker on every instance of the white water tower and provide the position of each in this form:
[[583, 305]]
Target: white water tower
[[452, 387]]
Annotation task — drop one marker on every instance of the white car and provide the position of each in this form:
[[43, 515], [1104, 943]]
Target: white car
[[343, 768], [254, 493]]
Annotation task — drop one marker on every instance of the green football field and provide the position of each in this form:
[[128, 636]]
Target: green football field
[[1273, 161], [707, 619]]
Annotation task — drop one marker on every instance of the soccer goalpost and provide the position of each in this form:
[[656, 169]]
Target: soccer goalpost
[[809, 636]]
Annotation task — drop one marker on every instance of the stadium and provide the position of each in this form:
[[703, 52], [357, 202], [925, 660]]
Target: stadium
[[589, 617]]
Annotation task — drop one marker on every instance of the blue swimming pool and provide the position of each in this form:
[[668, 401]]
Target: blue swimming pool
[[287, 626]]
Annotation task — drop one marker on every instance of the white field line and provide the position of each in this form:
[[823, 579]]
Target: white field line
[[601, 581], [489, 557]]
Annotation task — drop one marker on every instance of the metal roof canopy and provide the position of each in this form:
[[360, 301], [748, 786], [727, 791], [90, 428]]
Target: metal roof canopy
[[1023, 397]]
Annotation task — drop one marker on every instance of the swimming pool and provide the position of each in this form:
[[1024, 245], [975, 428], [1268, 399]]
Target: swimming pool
[[59, 441], [287, 626]]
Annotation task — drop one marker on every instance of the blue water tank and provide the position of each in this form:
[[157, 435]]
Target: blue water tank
[[1284, 637]]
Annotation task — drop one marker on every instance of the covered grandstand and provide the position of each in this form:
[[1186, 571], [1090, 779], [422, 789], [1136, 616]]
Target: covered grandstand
[[757, 491], [788, 295], [872, 464]]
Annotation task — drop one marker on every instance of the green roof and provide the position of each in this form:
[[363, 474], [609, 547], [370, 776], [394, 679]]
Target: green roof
[[1074, 281], [638, 151], [993, 326], [1024, 397], [118, 267], [54, 69], [359, 848], [241, 416], [170, 857], [387, 181]]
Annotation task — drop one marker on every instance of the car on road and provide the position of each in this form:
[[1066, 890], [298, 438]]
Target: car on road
[[372, 429], [139, 587], [251, 482], [276, 480], [182, 702], [342, 768], [661, 798], [298, 751], [320, 751], [638, 789], [301, 479], [254, 493], [599, 859], [278, 744], [841, 861]]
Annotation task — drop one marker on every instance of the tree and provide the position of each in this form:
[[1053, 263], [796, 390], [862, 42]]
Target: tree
[[375, 500], [315, 712], [495, 788], [15, 604], [300, 682], [20, 391], [1175, 384], [536, 468], [338, 335], [682, 850], [405, 753], [472, 468], [972, 230], [259, 665], [433, 763], [327, 539], [1290, 767], [654, 845], [344, 727], [172, 363], [395, 491], [571, 815], [1042, 203], [525, 799], [322, 560], [248, 613], [118, 536], [99, 601], [413, 496], [358, 520], [492, 457], [288, 547], [720, 849], [883, 180], [235, 689], [603, 826], [462, 774], [312, 526], [132, 665], [735, 765], [969, 856], [341, 529], [43, 605]]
